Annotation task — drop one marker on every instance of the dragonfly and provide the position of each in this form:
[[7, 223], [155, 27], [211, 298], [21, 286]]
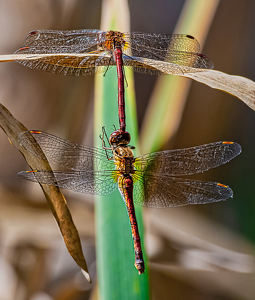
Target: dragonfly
[[151, 180], [86, 52]]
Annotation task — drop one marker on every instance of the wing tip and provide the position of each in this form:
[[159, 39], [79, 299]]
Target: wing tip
[[225, 191]]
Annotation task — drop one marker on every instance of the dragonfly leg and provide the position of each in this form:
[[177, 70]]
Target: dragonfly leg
[[102, 138], [125, 78], [103, 143], [108, 66]]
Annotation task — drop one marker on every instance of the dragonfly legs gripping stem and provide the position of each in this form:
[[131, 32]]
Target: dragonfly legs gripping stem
[[103, 143]]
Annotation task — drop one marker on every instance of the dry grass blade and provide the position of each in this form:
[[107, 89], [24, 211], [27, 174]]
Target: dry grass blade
[[13, 128], [241, 87]]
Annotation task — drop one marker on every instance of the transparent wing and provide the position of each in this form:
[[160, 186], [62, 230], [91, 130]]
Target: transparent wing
[[158, 46], [187, 161], [181, 63], [162, 192], [62, 41], [65, 154], [88, 182], [80, 168], [177, 49], [73, 65], [65, 52]]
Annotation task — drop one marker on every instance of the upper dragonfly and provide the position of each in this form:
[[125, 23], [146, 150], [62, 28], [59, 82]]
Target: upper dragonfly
[[150, 180], [85, 52]]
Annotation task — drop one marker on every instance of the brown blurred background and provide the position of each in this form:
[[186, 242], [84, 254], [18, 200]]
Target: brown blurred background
[[203, 252]]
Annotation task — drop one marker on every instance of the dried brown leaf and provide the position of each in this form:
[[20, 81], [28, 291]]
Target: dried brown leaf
[[238, 86], [241, 87], [13, 128]]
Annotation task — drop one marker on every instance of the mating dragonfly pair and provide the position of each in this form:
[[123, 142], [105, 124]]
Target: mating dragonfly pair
[[150, 180]]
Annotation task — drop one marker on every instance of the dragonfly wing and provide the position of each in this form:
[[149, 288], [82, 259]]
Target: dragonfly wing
[[156, 46], [66, 64], [179, 63], [168, 54], [162, 192], [72, 52], [48, 41], [65, 154], [187, 161], [140, 65], [88, 182]]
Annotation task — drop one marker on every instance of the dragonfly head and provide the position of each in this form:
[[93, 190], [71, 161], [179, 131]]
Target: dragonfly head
[[119, 138]]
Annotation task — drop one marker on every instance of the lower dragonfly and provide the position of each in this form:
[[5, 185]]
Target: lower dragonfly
[[149, 180]]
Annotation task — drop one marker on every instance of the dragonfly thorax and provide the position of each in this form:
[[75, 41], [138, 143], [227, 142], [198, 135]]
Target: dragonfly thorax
[[124, 159], [110, 40]]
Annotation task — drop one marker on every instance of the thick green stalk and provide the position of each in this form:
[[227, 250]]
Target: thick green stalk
[[117, 276]]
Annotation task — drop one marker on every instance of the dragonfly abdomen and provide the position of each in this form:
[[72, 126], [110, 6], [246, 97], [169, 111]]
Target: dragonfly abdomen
[[121, 93], [125, 183]]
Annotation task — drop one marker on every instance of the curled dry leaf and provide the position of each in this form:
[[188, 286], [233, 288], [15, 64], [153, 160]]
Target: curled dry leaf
[[238, 86], [241, 87], [13, 128]]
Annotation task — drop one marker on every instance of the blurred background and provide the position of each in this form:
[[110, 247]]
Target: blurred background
[[199, 252]]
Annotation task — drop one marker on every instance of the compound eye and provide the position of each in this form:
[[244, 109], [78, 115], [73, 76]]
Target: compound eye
[[119, 138], [113, 140], [126, 138]]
